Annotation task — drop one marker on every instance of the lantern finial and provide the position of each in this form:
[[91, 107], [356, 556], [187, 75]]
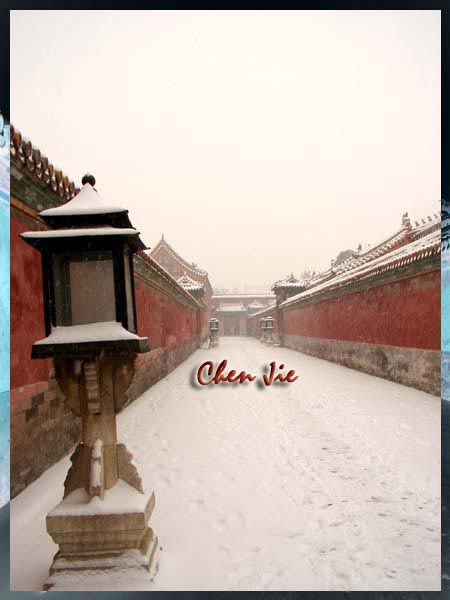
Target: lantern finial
[[88, 178]]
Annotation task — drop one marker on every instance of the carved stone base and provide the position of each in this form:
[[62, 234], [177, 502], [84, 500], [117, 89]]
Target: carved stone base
[[97, 534], [67, 569]]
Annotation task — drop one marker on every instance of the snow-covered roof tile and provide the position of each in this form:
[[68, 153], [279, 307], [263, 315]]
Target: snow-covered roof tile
[[418, 249], [289, 282], [189, 284], [189, 267]]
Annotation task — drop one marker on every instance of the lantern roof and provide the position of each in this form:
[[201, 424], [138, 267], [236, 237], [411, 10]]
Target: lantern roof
[[87, 208], [41, 239], [87, 202], [84, 219], [90, 338]]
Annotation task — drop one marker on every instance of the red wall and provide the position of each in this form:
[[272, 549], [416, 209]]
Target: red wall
[[404, 313], [165, 321], [27, 312]]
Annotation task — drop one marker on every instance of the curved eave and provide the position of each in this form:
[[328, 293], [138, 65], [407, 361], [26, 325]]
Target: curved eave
[[118, 219], [42, 240]]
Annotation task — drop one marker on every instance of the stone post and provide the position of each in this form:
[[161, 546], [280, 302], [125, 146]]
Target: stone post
[[102, 521]]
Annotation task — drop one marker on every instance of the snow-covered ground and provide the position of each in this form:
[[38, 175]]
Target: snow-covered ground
[[328, 483]]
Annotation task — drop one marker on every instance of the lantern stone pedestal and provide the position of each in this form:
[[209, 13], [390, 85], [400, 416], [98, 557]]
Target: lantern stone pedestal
[[269, 338], [263, 337], [103, 519], [91, 334], [214, 332]]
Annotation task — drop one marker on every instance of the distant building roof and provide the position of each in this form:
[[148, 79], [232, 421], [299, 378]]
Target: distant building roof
[[187, 267], [256, 304], [243, 296], [232, 307], [264, 310]]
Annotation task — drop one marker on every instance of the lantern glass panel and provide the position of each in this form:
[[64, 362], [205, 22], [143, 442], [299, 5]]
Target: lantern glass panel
[[84, 288], [129, 293]]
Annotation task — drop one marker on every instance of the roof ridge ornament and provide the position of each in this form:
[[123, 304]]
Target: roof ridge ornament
[[406, 221]]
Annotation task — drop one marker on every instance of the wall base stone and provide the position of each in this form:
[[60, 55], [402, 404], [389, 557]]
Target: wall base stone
[[43, 430], [414, 367]]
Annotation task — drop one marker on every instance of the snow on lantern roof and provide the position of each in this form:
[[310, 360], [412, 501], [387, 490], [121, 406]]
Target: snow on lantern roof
[[91, 332], [84, 232], [189, 284], [87, 202], [39, 239]]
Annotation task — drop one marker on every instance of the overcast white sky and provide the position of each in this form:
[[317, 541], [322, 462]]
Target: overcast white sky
[[258, 142]]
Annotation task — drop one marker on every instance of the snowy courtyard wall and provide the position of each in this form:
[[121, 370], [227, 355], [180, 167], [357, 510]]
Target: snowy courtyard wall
[[42, 429], [388, 327]]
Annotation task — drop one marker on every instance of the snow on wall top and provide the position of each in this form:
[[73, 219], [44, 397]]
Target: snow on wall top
[[406, 234], [421, 248], [91, 332], [87, 202]]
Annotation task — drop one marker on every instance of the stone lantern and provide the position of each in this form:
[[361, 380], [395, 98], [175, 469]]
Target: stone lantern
[[214, 332], [91, 334], [269, 330], [262, 324]]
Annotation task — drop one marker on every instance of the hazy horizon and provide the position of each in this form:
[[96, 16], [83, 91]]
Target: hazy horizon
[[258, 142]]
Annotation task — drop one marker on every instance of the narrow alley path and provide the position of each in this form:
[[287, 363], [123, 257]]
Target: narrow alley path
[[328, 483]]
